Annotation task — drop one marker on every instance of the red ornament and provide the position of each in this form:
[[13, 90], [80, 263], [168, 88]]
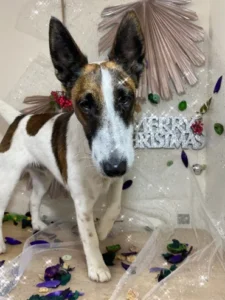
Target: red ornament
[[197, 127], [61, 100]]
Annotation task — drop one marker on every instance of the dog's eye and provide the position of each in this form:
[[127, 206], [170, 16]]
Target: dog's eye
[[87, 104], [125, 101]]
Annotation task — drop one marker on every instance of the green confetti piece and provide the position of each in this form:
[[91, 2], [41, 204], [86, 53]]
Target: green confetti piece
[[113, 248], [169, 163], [65, 278], [219, 129], [154, 98], [182, 105]]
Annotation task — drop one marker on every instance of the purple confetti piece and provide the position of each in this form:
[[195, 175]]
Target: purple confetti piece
[[184, 158], [127, 184], [218, 85], [156, 270], [125, 266], [126, 254], [176, 259], [38, 242], [49, 284], [2, 263], [12, 241], [50, 272], [65, 293]]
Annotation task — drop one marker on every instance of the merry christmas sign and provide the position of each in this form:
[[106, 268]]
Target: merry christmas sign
[[169, 132]]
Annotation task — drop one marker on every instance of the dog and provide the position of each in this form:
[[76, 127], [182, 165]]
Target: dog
[[88, 150]]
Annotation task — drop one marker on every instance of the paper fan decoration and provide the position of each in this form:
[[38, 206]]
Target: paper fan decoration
[[170, 37]]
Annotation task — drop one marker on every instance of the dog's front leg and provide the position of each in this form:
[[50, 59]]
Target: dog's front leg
[[113, 210], [97, 270]]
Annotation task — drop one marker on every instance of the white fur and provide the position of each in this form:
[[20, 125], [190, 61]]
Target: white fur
[[85, 182], [114, 137]]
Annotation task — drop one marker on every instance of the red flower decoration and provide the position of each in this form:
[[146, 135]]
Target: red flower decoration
[[197, 127], [61, 100]]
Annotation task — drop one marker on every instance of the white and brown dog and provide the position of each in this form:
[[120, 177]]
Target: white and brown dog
[[88, 151]]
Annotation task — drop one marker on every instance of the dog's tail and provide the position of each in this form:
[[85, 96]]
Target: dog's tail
[[8, 112]]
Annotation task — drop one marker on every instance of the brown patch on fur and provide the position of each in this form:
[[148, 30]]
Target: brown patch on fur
[[119, 75], [35, 122], [88, 82], [7, 139], [59, 142]]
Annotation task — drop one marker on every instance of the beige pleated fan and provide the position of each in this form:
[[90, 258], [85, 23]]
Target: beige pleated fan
[[170, 38]]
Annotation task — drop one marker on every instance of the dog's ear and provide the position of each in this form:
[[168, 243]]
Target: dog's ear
[[128, 49], [67, 58]]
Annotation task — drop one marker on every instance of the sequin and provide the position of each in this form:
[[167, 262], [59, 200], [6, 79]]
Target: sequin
[[127, 184], [182, 105], [184, 158], [219, 129], [67, 257], [154, 98], [218, 85], [169, 163]]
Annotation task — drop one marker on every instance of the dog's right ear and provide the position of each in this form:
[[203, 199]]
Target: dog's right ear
[[67, 58]]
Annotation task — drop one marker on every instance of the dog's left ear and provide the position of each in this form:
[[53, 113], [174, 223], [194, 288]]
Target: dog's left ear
[[67, 57], [128, 49]]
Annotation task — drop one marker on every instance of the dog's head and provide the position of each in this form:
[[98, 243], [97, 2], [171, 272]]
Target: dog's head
[[103, 95]]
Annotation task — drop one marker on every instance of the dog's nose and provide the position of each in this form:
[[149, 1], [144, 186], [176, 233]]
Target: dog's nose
[[113, 168]]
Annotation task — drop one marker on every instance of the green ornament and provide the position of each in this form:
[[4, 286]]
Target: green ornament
[[113, 248], [65, 278], [182, 105], [219, 129], [176, 247], [169, 163], [154, 98]]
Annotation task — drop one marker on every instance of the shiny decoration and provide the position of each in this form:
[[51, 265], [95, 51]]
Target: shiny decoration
[[205, 107], [43, 290], [65, 278], [166, 132], [125, 265], [198, 169], [169, 163], [38, 242], [109, 258], [132, 295], [166, 272], [56, 102], [176, 247], [177, 258], [12, 241], [219, 128], [184, 158], [170, 38], [49, 284], [67, 257], [182, 105], [197, 127], [154, 98], [218, 85], [127, 184], [16, 218], [113, 248]]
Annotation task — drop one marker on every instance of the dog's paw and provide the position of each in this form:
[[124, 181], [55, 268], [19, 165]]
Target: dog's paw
[[99, 274], [38, 225], [2, 247]]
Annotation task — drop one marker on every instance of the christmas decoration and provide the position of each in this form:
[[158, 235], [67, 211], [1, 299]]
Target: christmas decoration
[[166, 132], [170, 37], [198, 169]]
